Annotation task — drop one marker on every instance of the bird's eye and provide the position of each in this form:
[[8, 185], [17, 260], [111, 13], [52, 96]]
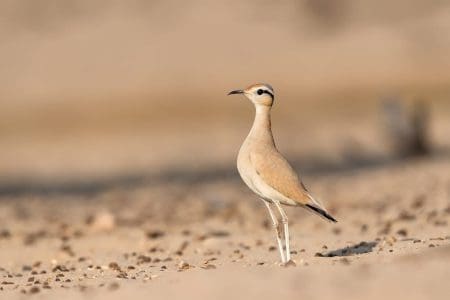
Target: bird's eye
[[260, 92]]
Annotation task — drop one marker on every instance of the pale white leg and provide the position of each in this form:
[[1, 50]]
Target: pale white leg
[[284, 220], [277, 229]]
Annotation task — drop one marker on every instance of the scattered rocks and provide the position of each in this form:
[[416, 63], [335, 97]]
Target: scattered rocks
[[60, 268]]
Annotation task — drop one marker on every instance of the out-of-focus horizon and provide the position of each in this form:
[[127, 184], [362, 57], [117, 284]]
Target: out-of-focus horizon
[[77, 74], [118, 148]]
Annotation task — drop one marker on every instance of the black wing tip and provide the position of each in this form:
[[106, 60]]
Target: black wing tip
[[321, 212]]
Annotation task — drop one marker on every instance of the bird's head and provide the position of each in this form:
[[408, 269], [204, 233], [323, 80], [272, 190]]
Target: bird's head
[[259, 94]]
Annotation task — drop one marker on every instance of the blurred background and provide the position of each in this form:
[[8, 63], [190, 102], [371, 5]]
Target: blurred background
[[106, 88], [118, 143]]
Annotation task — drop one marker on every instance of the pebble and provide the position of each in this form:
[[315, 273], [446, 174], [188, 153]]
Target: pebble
[[113, 286], [155, 234], [182, 265], [102, 221], [290, 263]]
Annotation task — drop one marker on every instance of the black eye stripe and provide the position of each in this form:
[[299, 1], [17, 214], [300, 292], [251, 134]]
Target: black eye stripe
[[261, 91], [267, 92]]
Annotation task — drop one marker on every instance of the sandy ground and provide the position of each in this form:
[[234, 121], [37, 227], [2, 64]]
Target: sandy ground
[[210, 237], [107, 190], [147, 211]]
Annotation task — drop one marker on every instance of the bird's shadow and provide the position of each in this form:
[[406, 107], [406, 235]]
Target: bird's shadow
[[360, 248]]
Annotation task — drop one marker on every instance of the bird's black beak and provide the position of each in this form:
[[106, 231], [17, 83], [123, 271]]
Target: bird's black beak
[[236, 92]]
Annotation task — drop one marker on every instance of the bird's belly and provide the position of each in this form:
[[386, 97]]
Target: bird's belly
[[247, 173], [258, 186]]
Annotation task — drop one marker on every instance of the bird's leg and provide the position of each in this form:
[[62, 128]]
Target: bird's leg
[[284, 220], [277, 229]]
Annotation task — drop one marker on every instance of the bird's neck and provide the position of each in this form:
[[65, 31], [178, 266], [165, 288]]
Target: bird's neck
[[261, 129]]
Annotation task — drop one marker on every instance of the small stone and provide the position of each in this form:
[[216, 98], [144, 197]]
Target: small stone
[[402, 232], [114, 266], [337, 230], [113, 286], [102, 221], [289, 263], [364, 228], [405, 216], [208, 267], [26, 268], [440, 223], [390, 240], [141, 259], [182, 265], [155, 234]]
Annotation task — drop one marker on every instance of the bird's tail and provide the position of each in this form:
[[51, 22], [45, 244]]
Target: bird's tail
[[316, 207]]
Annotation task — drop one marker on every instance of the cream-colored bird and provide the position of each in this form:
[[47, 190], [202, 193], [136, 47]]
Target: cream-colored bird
[[266, 172]]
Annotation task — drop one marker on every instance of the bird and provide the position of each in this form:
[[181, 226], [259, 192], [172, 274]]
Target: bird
[[267, 173]]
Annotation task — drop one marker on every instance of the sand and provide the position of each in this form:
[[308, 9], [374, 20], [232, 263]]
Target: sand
[[212, 238], [106, 189]]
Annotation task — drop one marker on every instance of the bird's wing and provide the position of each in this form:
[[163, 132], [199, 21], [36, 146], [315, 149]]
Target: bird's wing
[[275, 171]]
